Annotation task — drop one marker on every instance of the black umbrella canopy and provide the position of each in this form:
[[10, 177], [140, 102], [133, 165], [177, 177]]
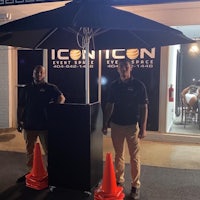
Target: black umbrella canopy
[[81, 21]]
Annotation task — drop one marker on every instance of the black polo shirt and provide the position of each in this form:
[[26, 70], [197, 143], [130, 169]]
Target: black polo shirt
[[35, 100], [127, 96]]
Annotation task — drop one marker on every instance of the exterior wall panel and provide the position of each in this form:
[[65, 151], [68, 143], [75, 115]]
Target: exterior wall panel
[[4, 88]]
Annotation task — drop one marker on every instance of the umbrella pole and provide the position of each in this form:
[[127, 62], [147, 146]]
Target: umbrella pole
[[87, 72], [99, 76]]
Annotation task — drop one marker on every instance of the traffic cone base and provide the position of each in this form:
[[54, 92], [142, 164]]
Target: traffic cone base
[[33, 178], [99, 197], [38, 177], [109, 190], [35, 184], [100, 194]]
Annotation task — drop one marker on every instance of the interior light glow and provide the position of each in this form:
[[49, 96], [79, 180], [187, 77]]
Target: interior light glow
[[194, 49], [104, 80]]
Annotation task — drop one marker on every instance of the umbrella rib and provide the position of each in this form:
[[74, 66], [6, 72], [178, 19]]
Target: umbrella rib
[[98, 32], [69, 29], [45, 38], [139, 38], [94, 33]]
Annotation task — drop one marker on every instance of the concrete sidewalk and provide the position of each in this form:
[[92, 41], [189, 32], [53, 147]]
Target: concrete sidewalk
[[162, 150]]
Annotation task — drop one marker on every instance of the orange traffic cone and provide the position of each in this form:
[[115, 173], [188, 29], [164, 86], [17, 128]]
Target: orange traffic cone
[[38, 177], [109, 190], [109, 184]]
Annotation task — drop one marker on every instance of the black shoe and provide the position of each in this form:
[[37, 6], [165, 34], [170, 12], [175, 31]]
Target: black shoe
[[135, 193], [21, 179]]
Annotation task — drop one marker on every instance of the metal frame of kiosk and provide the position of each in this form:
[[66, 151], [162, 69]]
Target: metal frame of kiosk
[[75, 158]]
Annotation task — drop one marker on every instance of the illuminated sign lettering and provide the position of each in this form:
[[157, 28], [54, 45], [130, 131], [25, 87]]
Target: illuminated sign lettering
[[74, 54], [118, 54], [75, 58]]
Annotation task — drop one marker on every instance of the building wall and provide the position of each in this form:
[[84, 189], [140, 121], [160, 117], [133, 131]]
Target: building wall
[[171, 14], [171, 80], [163, 88], [8, 92], [4, 89]]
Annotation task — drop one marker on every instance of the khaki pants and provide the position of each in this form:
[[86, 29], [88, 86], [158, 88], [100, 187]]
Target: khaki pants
[[30, 138], [118, 135]]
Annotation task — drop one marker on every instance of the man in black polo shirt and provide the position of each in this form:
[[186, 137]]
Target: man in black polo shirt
[[127, 108], [32, 112]]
